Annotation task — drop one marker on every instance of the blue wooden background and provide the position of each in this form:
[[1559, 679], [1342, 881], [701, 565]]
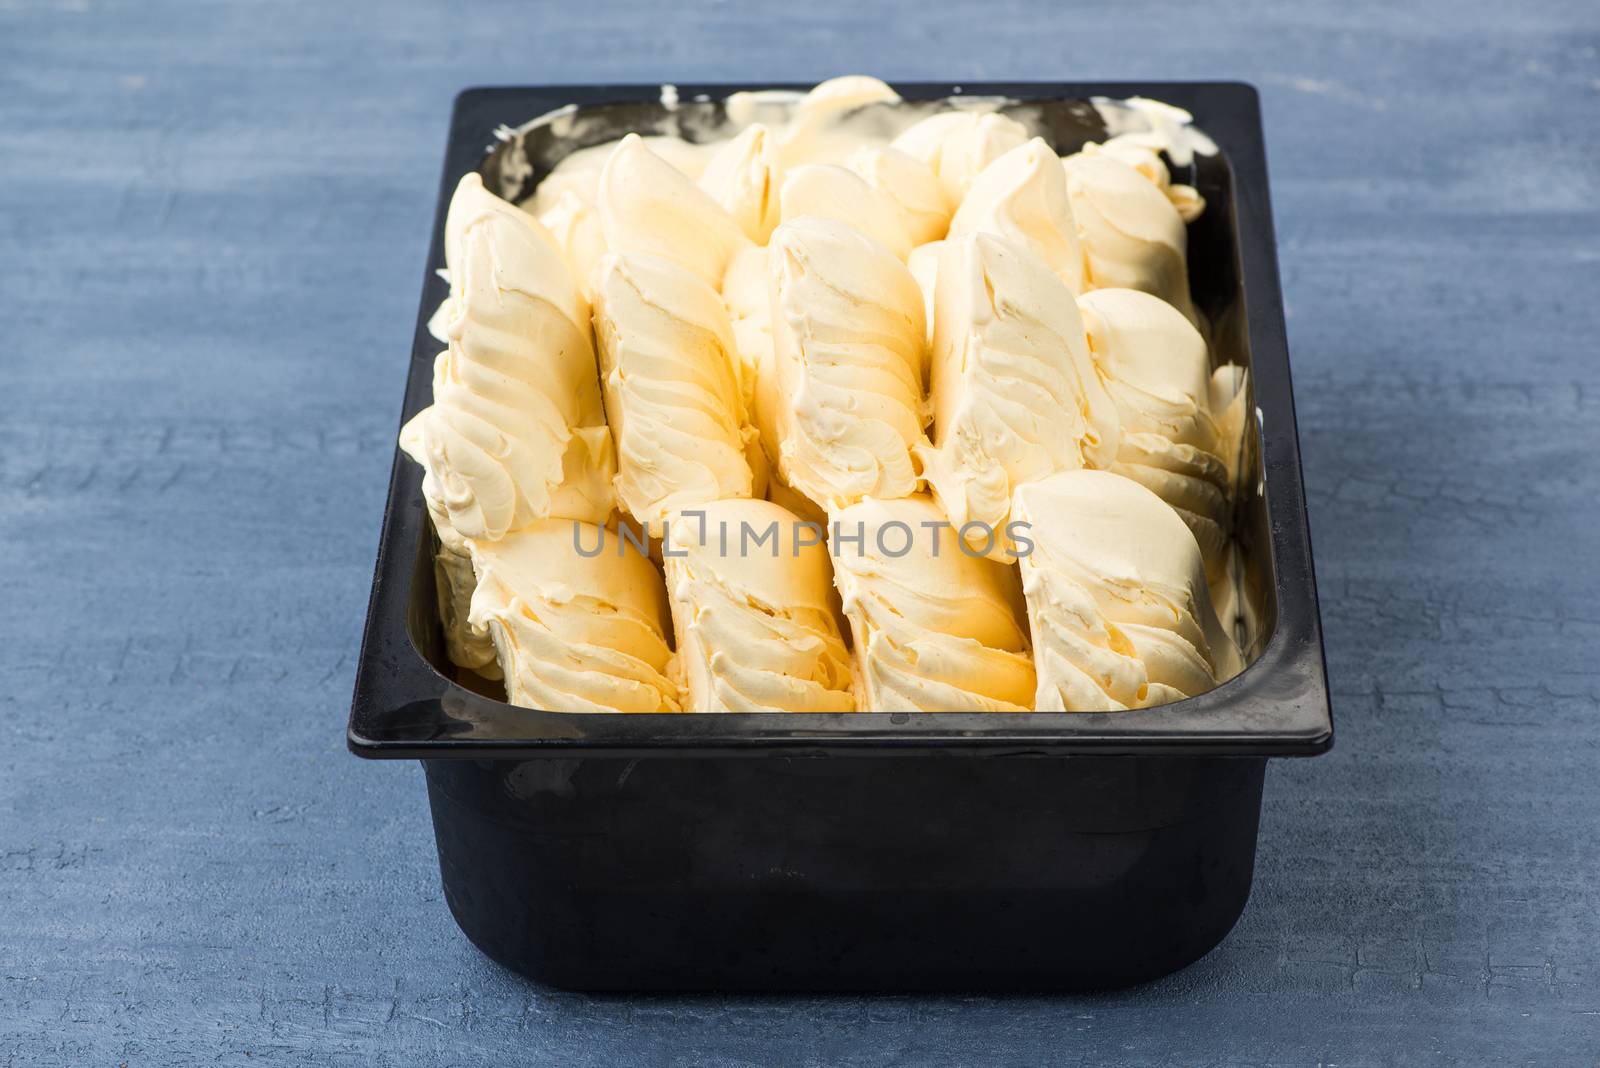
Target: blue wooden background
[[212, 230]]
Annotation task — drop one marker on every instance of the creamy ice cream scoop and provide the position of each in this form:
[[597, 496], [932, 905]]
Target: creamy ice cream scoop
[[829, 191], [936, 629], [753, 609], [849, 343], [911, 184], [575, 632], [516, 431], [648, 206], [1022, 196], [1117, 598], [672, 389], [924, 266], [957, 145], [575, 225], [1142, 152], [744, 286], [578, 172], [1158, 371], [744, 177], [1132, 236], [1015, 394], [814, 132]]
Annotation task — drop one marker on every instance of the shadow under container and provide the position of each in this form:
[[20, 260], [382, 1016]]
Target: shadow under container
[[885, 851]]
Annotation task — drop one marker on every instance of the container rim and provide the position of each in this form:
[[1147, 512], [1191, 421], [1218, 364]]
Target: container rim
[[402, 708]]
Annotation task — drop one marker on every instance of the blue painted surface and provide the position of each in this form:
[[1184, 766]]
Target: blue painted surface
[[212, 230]]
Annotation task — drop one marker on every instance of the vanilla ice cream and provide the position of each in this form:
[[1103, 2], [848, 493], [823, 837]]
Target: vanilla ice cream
[[1015, 394], [744, 177], [671, 380], [1158, 371], [1117, 600], [1142, 152], [912, 186], [516, 431], [575, 225], [578, 172], [923, 263], [1132, 236], [814, 132], [957, 145], [842, 309], [753, 608], [575, 633], [849, 342], [648, 206], [1022, 196], [829, 191], [936, 629]]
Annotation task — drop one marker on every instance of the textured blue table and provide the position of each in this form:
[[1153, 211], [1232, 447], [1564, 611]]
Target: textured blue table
[[212, 230]]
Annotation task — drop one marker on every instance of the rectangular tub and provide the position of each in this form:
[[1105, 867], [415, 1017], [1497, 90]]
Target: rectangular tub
[[868, 851]]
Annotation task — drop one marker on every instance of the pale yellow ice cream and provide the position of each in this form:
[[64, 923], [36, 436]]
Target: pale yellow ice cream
[[744, 177], [789, 309], [575, 633], [1016, 396], [934, 631], [849, 343], [745, 288], [957, 145], [578, 172], [1158, 371], [1117, 600], [911, 184], [1022, 196], [672, 392], [575, 225], [924, 266], [648, 206], [815, 133], [753, 609], [745, 292], [1142, 152], [1132, 236], [516, 431], [829, 191]]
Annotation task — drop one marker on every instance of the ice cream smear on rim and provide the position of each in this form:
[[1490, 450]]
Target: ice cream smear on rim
[[833, 401]]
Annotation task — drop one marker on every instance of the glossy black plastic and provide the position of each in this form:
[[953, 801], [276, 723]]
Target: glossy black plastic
[[884, 851]]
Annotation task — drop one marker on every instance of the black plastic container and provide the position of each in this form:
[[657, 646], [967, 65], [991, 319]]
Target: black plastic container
[[870, 851]]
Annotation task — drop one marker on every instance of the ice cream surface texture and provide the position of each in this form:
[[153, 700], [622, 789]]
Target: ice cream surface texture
[[957, 145], [672, 389], [936, 628], [1015, 394], [1022, 196], [1132, 236], [849, 342], [1157, 370], [838, 310], [575, 633], [648, 206], [1142, 152], [744, 177], [911, 185], [1117, 599], [828, 191], [516, 431], [753, 608]]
